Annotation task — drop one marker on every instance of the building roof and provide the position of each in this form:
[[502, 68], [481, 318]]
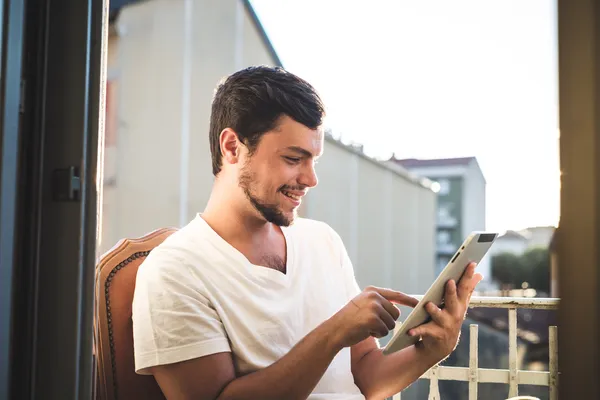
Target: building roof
[[437, 162], [515, 235], [117, 5], [395, 169]]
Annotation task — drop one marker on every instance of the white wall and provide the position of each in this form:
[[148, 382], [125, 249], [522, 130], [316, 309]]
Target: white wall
[[473, 212], [386, 219], [474, 200], [146, 61]]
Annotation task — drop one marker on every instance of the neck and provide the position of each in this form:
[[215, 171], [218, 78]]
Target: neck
[[233, 218]]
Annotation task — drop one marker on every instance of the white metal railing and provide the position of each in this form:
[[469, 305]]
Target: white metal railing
[[512, 376]]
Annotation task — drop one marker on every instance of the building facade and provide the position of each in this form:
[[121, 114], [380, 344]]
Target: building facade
[[461, 204]]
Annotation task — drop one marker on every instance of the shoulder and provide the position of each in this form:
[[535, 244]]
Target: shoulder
[[317, 230], [174, 259], [172, 276]]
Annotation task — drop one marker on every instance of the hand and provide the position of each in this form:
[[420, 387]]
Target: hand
[[440, 335], [371, 313]]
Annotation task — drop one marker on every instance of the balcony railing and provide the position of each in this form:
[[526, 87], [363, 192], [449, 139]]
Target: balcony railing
[[512, 376]]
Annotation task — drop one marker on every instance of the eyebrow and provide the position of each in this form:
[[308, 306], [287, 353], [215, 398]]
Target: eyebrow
[[300, 150]]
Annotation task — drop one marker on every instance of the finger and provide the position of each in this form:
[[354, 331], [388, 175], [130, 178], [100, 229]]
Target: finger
[[469, 271], [397, 297], [466, 284], [387, 319], [450, 297], [379, 329], [436, 314], [477, 278], [391, 309], [427, 329], [387, 305]]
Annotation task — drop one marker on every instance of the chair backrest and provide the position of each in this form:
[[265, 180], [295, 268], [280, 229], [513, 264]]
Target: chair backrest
[[116, 272]]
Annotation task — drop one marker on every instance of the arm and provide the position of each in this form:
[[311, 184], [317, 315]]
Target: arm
[[379, 375], [294, 376]]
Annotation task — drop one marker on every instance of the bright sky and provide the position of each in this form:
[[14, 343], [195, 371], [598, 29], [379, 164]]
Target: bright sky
[[438, 78]]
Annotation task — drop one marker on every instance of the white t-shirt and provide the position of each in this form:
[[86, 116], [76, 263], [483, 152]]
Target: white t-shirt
[[197, 295]]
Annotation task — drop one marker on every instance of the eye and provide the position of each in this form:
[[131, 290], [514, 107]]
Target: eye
[[292, 160]]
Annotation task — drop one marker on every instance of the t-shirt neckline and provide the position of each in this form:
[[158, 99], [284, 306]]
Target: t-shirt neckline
[[255, 269]]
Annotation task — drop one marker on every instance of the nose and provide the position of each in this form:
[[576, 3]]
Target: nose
[[308, 177]]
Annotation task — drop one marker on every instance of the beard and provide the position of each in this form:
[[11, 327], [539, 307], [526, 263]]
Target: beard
[[270, 212]]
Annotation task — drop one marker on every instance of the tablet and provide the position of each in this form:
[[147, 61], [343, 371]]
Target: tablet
[[474, 248]]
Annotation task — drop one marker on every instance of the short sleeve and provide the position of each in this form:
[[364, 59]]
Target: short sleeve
[[173, 320], [349, 277]]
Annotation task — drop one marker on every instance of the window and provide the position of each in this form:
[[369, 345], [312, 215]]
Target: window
[[443, 237], [445, 211], [444, 187]]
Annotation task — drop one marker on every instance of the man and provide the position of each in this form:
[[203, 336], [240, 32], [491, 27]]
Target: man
[[250, 302]]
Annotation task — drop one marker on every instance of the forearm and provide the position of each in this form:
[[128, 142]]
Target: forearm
[[379, 376], [294, 376]]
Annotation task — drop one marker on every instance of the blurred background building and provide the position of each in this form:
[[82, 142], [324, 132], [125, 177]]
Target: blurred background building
[[461, 204], [165, 59]]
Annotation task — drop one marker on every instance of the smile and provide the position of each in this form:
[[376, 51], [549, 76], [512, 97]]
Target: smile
[[291, 195]]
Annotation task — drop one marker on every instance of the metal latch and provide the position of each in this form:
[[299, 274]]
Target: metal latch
[[66, 184]]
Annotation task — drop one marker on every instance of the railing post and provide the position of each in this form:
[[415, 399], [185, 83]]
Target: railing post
[[434, 390], [512, 376], [512, 353], [473, 361], [553, 358]]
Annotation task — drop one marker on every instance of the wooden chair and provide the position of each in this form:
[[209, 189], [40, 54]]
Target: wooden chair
[[113, 331]]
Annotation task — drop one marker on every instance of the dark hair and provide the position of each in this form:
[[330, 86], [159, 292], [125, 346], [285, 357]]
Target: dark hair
[[252, 101]]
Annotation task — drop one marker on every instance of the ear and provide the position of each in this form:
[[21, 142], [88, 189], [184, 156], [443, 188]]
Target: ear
[[230, 146]]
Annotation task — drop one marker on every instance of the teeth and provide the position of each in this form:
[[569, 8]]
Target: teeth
[[291, 196]]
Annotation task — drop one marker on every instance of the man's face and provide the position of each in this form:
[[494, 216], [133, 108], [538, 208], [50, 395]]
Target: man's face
[[281, 170]]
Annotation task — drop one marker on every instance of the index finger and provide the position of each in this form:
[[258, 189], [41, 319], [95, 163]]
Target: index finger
[[397, 297]]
